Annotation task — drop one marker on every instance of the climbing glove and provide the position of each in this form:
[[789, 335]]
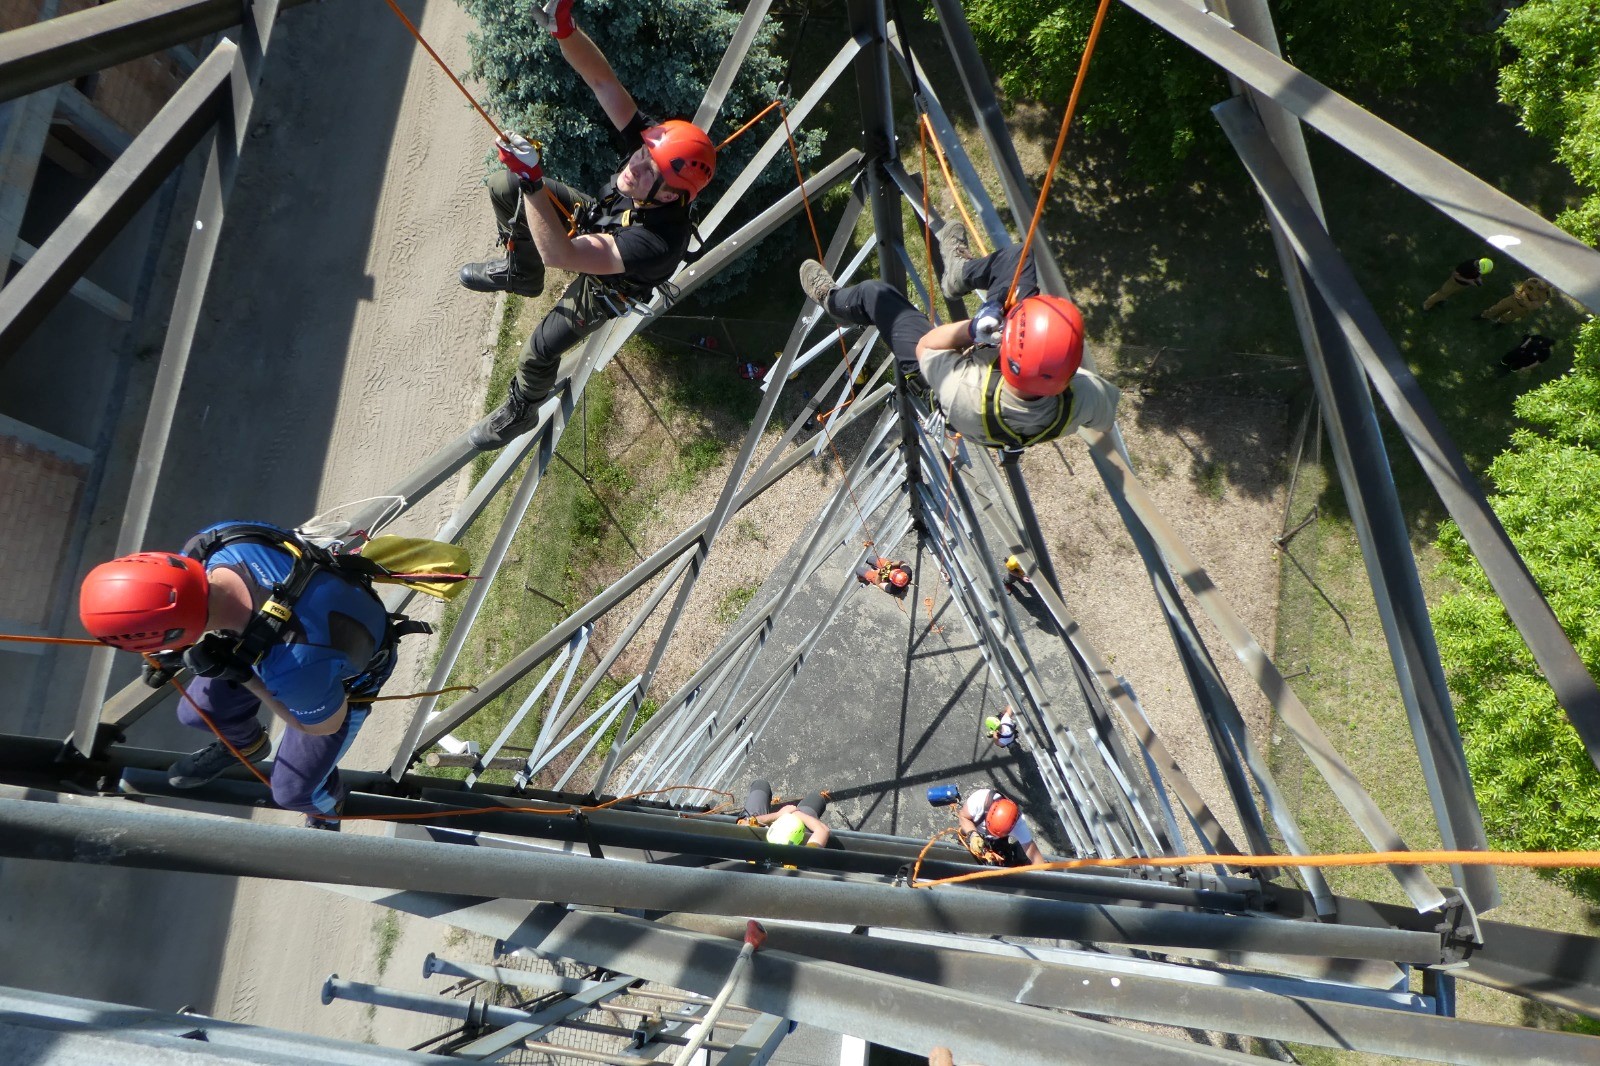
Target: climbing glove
[[556, 18], [217, 655], [521, 157], [161, 667], [986, 325]]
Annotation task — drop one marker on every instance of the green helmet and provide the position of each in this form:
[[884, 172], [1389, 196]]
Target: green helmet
[[1485, 265], [992, 724], [788, 829]]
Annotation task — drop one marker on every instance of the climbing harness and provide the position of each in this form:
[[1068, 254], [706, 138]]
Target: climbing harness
[[267, 628], [994, 422]]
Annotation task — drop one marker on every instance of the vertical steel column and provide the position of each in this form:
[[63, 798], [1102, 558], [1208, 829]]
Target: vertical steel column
[[222, 165], [1374, 505], [868, 22]]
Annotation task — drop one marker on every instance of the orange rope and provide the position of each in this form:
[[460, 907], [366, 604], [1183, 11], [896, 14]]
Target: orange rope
[[974, 234], [1532, 859], [20, 639], [736, 134], [927, 231], [1061, 142], [401, 15]]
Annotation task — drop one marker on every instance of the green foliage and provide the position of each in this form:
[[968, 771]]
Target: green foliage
[[733, 603], [1535, 782], [665, 53], [1157, 92], [1553, 84]]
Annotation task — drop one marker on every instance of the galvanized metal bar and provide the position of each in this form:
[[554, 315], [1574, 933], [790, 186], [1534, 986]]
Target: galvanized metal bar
[[562, 715], [536, 1024], [69, 46], [1366, 814], [733, 56], [827, 994], [955, 152], [991, 121], [111, 835], [1562, 259], [1374, 506], [41, 1026], [159, 149], [572, 657], [244, 65], [757, 1044], [1278, 1008], [777, 140], [750, 626], [507, 675]]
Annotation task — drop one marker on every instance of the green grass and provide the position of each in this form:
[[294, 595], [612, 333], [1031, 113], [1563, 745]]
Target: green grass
[[387, 929], [733, 603]]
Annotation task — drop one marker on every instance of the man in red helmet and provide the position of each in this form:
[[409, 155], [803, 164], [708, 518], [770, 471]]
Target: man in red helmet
[[258, 629], [1005, 380], [993, 829], [622, 244]]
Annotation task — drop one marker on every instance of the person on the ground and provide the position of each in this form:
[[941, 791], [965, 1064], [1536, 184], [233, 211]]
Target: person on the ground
[[251, 644], [1533, 350], [623, 244], [891, 575], [1467, 274], [993, 830], [789, 823], [1526, 298], [1004, 379], [1001, 728]]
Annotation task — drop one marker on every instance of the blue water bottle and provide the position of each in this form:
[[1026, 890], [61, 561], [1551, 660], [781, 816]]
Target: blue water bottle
[[943, 795]]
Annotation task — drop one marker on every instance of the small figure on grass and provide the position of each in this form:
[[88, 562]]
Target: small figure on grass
[[1533, 350], [1466, 275], [1526, 298]]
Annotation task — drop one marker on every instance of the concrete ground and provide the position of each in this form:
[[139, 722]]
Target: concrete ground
[[914, 694]]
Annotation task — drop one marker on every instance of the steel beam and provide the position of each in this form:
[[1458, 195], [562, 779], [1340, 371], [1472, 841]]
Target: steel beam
[[158, 150], [1562, 259], [70, 46], [109, 836]]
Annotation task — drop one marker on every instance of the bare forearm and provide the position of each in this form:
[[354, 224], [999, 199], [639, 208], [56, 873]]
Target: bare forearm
[[270, 702], [944, 338], [585, 57]]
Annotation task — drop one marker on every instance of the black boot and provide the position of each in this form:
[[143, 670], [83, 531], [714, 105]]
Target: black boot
[[505, 423], [504, 275]]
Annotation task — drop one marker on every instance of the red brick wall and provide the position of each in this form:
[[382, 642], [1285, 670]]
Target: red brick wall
[[39, 496]]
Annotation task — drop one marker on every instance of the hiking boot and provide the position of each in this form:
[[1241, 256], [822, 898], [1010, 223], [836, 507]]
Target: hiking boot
[[213, 760], [329, 824], [816, 282], [955, 253], [505, 423], [504, 275]]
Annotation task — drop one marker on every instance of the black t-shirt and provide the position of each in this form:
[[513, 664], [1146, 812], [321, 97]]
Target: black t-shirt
[[651, 240], [1468, 270]]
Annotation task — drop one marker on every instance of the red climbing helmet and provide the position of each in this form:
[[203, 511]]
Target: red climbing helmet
[[684, 154], [1041, 346], [1001, 817], [146, 602], [900, 577]]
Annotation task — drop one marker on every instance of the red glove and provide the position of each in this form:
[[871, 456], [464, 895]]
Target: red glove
[[556, 16], [521, 158]]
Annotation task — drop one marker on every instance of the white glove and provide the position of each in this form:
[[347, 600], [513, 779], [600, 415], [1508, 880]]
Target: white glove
[[987, 323], [555, 18], [520, 157]]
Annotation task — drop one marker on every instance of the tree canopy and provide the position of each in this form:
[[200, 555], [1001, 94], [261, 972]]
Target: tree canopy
[[1553, 81], [1157, 92], [1535, 782]]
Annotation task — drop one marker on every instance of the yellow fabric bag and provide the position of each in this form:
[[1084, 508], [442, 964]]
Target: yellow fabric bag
[[429, 566]]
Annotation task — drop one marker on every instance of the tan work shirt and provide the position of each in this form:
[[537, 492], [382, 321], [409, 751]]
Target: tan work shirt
[[956, 378]]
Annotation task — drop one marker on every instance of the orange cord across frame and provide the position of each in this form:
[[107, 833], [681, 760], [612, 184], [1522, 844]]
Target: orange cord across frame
[[1531, 859]]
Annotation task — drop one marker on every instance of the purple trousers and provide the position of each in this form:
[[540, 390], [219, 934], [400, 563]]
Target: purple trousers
[[305, 773]]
